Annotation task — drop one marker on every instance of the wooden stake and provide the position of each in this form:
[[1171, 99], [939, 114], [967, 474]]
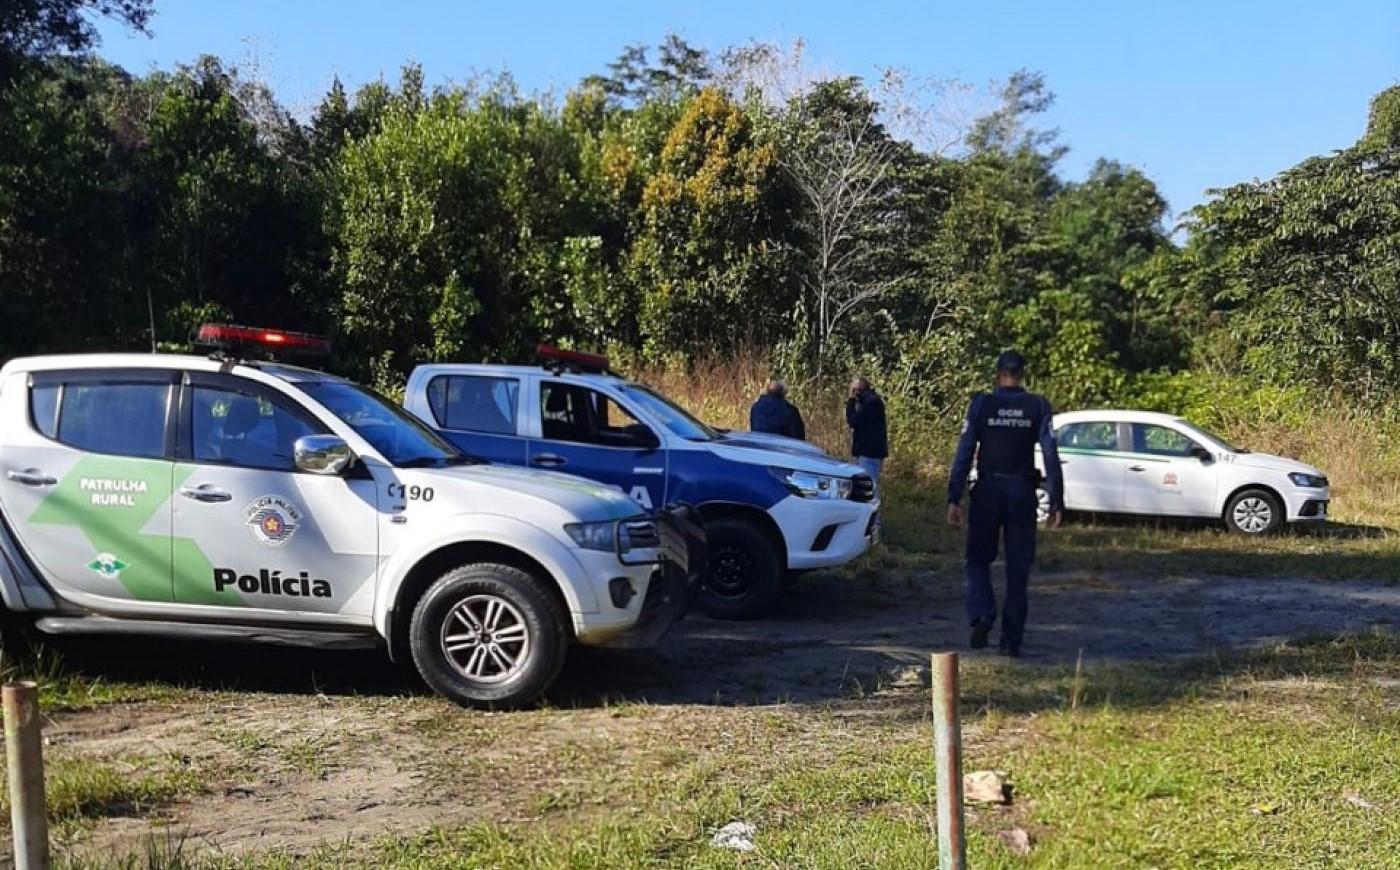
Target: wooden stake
[[25, 757], [947, 750]]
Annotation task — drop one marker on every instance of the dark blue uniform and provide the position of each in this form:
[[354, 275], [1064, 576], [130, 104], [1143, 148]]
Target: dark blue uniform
[[778, 416], [1001, 431]]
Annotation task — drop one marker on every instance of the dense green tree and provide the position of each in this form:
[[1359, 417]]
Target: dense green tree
[[713, 259], [62, 217], [1305, 267], [451, 230], [656, 213]]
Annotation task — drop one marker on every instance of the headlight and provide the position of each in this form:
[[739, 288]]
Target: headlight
[[1309, 481], [596, 536], [809, 485]]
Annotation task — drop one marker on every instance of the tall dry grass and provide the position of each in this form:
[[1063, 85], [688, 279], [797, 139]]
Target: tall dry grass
[[1358, 450], [721, 391]]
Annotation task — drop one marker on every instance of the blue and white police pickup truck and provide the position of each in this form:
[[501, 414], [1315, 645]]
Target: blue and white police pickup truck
[[771, 505]]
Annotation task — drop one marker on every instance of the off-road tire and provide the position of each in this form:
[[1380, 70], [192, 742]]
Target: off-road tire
[[1254, 512], [743, 571], [522, 599]]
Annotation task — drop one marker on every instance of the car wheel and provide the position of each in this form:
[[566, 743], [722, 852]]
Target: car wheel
[[743, 571], [488, 636], [1042, 505], [1254, 512]]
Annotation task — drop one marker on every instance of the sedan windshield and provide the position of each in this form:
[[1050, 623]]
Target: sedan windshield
[[673, 416], [1209, 436], [398, 436]]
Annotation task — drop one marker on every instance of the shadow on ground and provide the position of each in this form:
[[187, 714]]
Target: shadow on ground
[[838, 638]]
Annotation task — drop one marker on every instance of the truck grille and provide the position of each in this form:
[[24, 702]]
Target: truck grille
[[862, 488], [641, 534]]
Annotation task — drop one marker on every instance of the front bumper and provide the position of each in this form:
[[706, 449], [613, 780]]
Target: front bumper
[[1309, 505], [825, 533], [670, 590]]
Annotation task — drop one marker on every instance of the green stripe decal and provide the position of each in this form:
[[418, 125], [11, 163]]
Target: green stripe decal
[[1112, 454]]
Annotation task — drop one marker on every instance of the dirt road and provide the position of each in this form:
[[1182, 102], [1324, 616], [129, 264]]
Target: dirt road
[[855, 632], [292, 749]]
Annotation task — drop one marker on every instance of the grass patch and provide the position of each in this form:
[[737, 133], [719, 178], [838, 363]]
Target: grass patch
[[1284, 757], [61, 689], [81, 790], [917, 537]]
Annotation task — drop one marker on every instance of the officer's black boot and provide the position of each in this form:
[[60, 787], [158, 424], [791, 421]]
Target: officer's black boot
[[980, 630]]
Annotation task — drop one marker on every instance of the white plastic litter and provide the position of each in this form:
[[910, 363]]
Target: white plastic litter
[[735, 835]]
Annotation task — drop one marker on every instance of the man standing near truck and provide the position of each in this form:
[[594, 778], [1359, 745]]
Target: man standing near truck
[[865, 414], [1001, 431], [774, 414]]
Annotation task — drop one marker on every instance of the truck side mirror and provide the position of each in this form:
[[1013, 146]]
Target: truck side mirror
[[322, 454]]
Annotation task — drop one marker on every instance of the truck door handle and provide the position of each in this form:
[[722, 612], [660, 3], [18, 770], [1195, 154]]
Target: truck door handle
[[548, 460], [32, 477], [1136, 468], [206, 493]]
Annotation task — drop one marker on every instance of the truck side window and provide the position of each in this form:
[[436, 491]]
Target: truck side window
[[43, 408], [243, 429], [475, 403], [126, 419], [578, 414]]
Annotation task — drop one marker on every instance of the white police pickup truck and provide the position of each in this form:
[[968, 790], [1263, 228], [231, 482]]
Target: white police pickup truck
[[207, 497], [770, 505]]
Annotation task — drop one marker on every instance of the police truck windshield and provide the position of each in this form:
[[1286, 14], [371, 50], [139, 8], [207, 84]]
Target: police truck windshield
[[673, 416], [398, 436]]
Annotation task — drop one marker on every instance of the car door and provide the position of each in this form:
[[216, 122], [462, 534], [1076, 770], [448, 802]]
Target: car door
[[480, 414], [87, 485], [1166, 475], [253, 532], [589, 433], [1092, 464]]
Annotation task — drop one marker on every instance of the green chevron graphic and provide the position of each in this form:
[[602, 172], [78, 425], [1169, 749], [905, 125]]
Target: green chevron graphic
[[111, 499]]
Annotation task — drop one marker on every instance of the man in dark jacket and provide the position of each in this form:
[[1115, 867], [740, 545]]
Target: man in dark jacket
[[774, 414], [1000, 434], [865, 414]]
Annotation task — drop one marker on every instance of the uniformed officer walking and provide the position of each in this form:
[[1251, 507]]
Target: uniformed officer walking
[[1002, 429]]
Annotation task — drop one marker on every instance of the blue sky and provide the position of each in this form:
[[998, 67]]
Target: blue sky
[[1196, 94]]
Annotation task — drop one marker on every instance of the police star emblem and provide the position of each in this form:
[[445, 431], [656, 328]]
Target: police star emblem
[[107, 566], [272, 520]]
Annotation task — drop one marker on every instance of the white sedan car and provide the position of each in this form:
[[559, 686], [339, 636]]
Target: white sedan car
[[1138, 462]]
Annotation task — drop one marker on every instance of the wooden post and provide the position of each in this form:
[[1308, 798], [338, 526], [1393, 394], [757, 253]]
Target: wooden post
[[25, 757], [947, 749]]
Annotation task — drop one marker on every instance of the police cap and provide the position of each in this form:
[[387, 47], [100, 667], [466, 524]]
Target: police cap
[[1011, 361]]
